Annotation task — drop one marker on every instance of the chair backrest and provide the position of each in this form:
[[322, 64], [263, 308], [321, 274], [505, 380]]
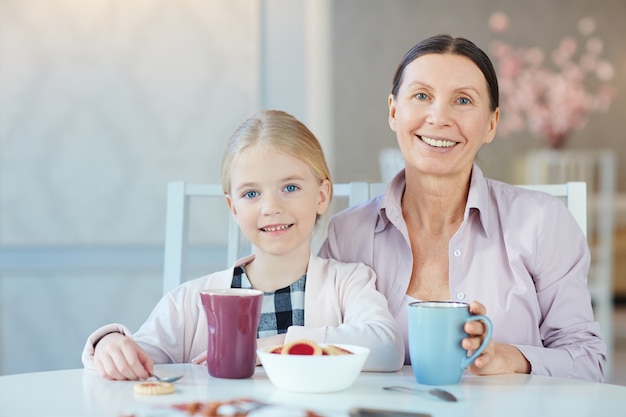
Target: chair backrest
[[596, 167], [356, 192], [378, 188], [599, 280], [573, 194], [179, 196], [390, 162]]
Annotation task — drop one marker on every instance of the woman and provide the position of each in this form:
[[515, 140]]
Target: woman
[[444, 231]]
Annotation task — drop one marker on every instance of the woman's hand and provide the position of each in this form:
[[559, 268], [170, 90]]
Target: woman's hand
[[497, 358], [119, 357]]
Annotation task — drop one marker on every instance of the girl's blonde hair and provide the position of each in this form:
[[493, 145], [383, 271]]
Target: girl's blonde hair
[[281, 131]]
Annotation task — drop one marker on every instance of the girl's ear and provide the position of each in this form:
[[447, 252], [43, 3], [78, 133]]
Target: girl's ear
[[230, 205], [323, 200]]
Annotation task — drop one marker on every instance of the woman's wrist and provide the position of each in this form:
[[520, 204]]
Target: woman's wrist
[[512, 359]]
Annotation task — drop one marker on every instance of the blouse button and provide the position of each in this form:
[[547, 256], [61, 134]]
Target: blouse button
[[460, 296], [457, 252]]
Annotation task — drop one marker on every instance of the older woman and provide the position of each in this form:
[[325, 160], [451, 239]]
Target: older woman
[[443, 231]]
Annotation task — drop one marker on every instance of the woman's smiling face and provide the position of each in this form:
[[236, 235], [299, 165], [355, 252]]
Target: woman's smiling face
[[442, 114]]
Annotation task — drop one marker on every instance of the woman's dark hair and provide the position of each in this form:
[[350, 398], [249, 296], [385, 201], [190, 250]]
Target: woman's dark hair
[[446, 44]]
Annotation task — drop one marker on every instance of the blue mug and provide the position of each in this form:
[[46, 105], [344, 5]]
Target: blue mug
[[435, 335]]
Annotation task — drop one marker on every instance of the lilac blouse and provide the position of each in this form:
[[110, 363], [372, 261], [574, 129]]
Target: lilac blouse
[[518, 252]]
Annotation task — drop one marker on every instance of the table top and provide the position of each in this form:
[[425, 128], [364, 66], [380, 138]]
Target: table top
[[83, 393]]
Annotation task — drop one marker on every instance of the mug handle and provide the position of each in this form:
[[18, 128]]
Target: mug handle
[[468, 360]]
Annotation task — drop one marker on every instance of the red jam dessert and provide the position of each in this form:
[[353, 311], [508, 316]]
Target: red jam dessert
[[308, 348]]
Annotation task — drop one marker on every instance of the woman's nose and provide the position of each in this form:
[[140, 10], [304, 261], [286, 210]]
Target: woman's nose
[[439, 114]]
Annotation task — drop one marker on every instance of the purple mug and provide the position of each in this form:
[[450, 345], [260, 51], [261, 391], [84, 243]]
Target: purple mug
[[233, 319]]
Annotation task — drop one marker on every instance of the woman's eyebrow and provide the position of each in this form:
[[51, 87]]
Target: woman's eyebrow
[[417, 83]]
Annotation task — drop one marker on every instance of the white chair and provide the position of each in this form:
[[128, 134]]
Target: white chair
[[377, 188], [356, 192], [573, 194], [596, 167], [179, 195], [390, 162]]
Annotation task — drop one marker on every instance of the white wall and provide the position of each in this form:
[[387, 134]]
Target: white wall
[[102, 102]]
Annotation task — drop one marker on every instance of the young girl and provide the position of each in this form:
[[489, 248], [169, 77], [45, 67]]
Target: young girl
[[277, 185]]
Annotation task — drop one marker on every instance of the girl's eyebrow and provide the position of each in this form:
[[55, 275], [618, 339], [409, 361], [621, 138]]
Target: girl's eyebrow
[[292, 178], [246, 185], [254, 184]]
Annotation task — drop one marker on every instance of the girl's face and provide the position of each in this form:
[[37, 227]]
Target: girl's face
[[442, 114], [276, 199]]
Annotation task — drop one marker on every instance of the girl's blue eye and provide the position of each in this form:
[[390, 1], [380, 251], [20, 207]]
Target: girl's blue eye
[[250, 194], [290, 188]]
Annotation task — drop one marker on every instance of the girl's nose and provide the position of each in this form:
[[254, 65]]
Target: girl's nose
[[271, 204]]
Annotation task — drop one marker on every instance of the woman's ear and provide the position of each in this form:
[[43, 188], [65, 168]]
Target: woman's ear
[[392, 113], [323, 200], [493, 124]]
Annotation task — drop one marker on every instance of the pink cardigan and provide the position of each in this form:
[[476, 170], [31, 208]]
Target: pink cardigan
[[341, 305]]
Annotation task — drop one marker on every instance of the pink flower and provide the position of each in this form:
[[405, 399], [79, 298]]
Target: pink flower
[[498, 22], [550, 101], [586, 26], [595, 45], [605, 71]]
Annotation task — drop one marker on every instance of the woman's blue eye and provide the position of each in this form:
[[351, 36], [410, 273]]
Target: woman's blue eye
[[250, 194], [290, 188], [421, 96], [464, 100]]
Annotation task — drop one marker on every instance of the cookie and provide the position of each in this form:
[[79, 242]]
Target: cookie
[[302, 347], [277, 349], [154, 388], [335, 350]]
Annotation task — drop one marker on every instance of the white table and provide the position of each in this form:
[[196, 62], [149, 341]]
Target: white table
[[81, 393]]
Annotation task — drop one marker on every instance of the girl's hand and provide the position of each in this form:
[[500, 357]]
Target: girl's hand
[[119, 357], [278, 339], [200, 359], [497, 358]]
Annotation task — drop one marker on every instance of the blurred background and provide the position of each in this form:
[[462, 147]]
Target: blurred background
[[102, 102]]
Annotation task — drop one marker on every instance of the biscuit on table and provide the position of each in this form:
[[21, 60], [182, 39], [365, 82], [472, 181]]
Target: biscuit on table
[[335, 350], [154, 388], [301, 347]]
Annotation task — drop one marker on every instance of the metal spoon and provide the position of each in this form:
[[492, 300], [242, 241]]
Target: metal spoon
[[436, 392], [168, 379]]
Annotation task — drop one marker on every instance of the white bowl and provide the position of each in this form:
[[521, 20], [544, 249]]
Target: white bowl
[[303, 373]]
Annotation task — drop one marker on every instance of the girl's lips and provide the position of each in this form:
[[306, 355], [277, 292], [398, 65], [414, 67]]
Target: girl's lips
[[437, 143], [276, 228]]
